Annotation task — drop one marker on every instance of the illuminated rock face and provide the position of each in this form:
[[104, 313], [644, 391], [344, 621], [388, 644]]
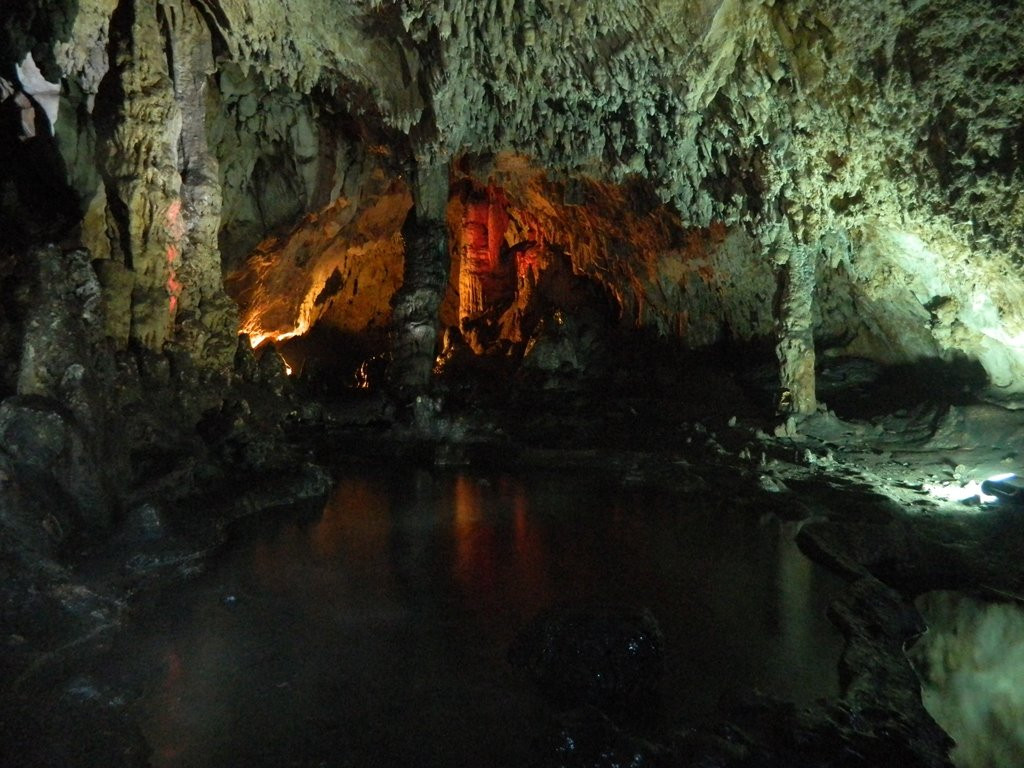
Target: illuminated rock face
[[340, 266], [966, 660], [529, 244], [882, 144], [486, 274], [160, 203]]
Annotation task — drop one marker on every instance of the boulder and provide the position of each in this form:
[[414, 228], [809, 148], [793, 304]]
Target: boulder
[[45, 447]]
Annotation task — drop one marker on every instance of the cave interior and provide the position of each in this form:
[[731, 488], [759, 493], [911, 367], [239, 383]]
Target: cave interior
[[760, 262]]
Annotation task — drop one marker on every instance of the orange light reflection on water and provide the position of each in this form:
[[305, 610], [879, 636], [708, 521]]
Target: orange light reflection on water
[[474, 540], [493, 568], [356, 522]]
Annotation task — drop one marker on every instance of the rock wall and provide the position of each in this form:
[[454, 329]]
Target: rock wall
[[894, 128], [972, 651]]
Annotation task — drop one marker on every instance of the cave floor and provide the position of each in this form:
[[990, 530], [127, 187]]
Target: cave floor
[[887, 500]]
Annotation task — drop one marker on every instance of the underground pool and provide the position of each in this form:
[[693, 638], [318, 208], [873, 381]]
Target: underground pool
[[376, 631]]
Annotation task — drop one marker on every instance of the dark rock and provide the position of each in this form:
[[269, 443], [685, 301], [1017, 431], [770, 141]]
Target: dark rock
[[565, 349], [144, 523], [586, 738], [608, 657], [43, 440], [80, 727], [245, 359], [426, 414], [765, 733], [414, 317], [34, 517], [68, 413], [271, 371], [1009, 490]]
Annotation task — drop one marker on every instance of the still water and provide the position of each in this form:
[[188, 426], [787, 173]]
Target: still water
[[376, 633]]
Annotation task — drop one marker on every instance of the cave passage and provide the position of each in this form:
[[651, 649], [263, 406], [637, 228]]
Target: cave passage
[[376, 632], [569, 304]]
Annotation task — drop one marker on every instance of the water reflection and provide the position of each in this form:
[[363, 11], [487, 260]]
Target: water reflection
[[363, 636], [795, 602], [355, 524], [475, 545]]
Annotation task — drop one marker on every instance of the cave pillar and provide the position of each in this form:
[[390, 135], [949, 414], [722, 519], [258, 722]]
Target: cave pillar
[[163, 280], [142, 120], [425, 277], [795, 334], [206, 319], [474, 258]]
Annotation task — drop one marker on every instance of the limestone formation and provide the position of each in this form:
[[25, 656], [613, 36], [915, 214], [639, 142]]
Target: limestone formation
[[884, 139], [416, 304], [341, 266]]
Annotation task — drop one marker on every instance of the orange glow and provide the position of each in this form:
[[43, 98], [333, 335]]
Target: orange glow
[[170, 715], [363, 376], [256, 339], [474, 539], [337, 267], [482, 234], [621, 236], [175, 224], [175, 231], [356, 525], [490, 567], [173, 285]]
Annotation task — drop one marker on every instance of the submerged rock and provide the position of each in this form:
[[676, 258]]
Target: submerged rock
[[586, 738], [608, 657]]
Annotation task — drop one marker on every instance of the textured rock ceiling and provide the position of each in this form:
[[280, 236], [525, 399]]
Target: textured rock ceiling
[[884, 138]]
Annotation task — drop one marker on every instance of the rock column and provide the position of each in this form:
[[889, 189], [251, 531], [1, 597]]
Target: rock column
[[795, 347], [162, 185], [483, 279], [140, 169], [206, 320], [415, 323]]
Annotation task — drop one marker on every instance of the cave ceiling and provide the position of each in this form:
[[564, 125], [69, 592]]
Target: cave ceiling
[[884, 137]]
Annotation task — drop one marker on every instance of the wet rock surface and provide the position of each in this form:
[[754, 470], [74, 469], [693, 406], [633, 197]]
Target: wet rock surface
[[587, 738], [972, 650]]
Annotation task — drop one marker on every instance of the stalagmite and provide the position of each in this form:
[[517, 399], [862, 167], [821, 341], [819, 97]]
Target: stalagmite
[[795, 338]]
